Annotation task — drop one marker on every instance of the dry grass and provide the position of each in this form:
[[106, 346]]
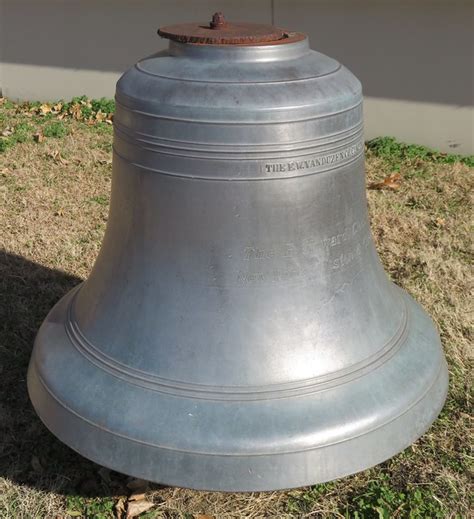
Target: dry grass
[[53, 213]]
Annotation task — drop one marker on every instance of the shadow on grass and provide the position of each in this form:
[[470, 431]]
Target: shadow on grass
[[29, 454]]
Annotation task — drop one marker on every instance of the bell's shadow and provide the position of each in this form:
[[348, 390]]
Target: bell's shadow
[[29, 453]]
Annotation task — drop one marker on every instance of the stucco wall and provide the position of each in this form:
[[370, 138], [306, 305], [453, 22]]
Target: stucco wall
[[414, 57]]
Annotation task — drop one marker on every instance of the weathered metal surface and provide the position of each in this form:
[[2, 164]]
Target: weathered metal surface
[[218, 31], [238, 331]]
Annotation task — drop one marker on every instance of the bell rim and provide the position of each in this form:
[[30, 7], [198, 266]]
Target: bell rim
[[84, 437]]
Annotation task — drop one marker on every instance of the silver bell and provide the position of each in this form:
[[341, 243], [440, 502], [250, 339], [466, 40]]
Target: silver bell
[[237, 331]]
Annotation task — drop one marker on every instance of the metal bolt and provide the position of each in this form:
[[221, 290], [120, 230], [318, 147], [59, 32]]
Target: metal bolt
[[218, 21]]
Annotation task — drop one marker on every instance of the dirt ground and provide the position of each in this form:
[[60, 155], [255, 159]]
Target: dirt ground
[[55, 170]]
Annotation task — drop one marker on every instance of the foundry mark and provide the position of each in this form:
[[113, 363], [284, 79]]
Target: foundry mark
[[316, 161]]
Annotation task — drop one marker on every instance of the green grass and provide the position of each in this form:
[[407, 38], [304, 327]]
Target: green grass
[[96, 508], [379, 499], [56, 129], [52, 120], [21, 133], [396, 153]]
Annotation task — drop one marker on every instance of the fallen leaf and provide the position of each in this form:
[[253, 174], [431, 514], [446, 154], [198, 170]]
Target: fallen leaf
[[120, 508], [56, 156], [204, 516], [393, 181], [7, 132], [2, 100], [74, 513], [137, 496], [38, 137], [44, 109], [100, 116], [76, 111], [135, 508]]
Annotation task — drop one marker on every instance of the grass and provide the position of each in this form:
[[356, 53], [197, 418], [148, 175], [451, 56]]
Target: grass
[[396, 153], [55, 193]]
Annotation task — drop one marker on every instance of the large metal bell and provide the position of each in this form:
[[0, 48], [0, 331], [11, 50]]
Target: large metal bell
[[237, 331]]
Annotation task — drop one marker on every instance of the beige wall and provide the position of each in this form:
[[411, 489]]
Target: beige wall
[[414, 57]]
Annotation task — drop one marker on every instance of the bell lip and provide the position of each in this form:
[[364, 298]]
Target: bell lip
[[309, 466], [212, 463]]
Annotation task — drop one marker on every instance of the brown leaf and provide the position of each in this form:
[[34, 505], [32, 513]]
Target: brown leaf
[[137, 496], [100, 116], [57, 107], [135, 508], [105, 162], [2, 100], [7, 132], [120, 508], [56, 156], [38, 137], [393, 181], [44, 109], [76, 111], [204, 516]]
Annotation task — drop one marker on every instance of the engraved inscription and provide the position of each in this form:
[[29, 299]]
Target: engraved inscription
[[316, 161], [303, 261], [345, 259], [287, 250], [345, 235], [274, 276]]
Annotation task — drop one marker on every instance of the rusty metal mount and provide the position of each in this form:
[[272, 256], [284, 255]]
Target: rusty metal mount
[[220, 32]]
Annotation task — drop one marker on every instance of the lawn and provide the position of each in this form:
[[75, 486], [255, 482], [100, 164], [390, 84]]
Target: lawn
[[55, 170]]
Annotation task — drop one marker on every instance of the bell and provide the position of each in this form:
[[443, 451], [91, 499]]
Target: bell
[[237, 331]]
